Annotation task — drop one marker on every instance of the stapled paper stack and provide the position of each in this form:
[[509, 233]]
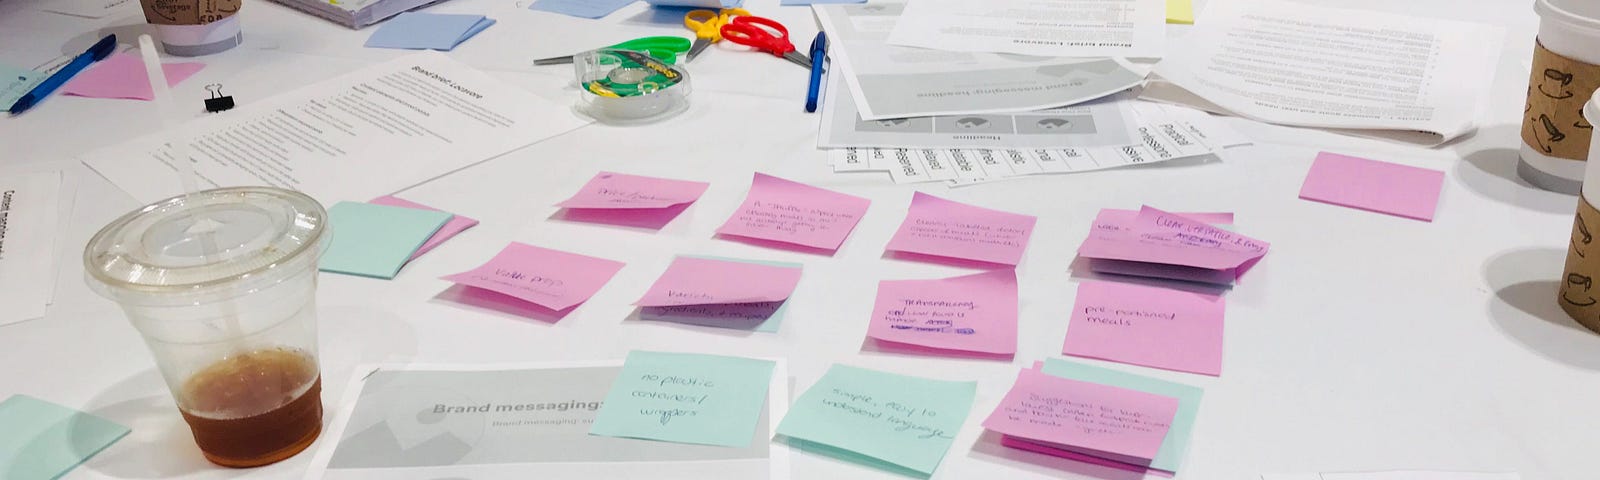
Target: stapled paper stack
[[1154, 243]]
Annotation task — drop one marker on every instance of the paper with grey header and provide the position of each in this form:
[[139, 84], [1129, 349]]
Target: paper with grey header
[[492, 422]]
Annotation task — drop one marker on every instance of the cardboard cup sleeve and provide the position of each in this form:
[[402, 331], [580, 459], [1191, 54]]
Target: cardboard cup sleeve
[[1580, 295], [1552, 121], [187, 12]]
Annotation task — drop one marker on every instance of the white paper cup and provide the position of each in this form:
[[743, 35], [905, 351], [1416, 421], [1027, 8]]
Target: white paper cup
[[197, 40], [1570, 28]]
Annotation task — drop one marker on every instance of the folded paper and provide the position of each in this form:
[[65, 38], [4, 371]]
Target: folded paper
[[705, 281], [376, 240], [122, 76], [760, 316]]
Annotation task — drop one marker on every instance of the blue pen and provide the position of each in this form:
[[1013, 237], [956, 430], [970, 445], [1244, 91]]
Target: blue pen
[[819, 52], [99, 51]]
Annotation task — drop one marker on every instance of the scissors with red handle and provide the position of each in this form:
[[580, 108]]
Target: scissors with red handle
[[765, 35]]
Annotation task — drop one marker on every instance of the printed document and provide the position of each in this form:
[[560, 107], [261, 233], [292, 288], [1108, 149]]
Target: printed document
[[891, 81], [1414, 80], [515, 422], [350, 138], [29, 214], [1048, 28]]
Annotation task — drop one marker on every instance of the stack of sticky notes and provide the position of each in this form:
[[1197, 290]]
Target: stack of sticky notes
[[632, 200], [971, 313], [721, 292], [375, 240], [427, 31], [687, 398], [42, 440], [1158, 244], [554, 280], [1098, 416], [892, 422]]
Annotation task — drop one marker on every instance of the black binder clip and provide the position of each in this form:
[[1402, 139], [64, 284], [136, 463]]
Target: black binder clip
[[217, 102]]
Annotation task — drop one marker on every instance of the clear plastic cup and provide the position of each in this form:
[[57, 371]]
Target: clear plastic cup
[[222, 285]]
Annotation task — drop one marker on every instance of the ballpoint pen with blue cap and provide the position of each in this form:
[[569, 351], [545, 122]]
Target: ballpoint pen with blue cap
[[99, 51], [819, 53]]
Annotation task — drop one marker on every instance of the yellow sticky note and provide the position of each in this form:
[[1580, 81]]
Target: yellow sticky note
[[1180, 11]]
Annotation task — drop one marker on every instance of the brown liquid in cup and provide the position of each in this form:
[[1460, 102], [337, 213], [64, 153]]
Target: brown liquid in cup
[[255, 408]]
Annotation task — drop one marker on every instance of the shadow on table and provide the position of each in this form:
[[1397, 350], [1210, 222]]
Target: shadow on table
[[1492, 173], [1525, 283], [988, 449], [159, 445]]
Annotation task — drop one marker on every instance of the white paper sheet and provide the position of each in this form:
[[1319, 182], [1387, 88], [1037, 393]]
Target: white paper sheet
[[1162, 133], [385, 428], [1396, 475], [361, 135], [1415, 80], [91, 8], [898, 82], [30, 207], [1050, 28]]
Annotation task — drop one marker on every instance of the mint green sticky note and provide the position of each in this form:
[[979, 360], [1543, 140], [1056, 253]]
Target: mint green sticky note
[[770, 325], [686, 398], [376, 240], [1176, 445], [40, 440], [895, 422], [16, 82]]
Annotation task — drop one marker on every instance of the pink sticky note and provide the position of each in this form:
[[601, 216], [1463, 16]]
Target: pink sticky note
[[942, 228], [456, 225], [1374, 186], [972, 313], [1113, 225], [1167, 238], [122, 76], [1029, 445], [1148, 326], [701, 281], [790, 212], [609, 190], [552, 279], [1115, 423]]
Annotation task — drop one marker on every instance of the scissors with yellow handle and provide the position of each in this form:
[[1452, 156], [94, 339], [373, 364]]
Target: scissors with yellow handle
[[707, 27]]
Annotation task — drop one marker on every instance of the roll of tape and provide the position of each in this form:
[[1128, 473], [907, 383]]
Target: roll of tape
[[626, 86]]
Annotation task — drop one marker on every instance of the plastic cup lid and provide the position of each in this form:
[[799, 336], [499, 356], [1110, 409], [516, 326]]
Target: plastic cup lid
[[223, 242]]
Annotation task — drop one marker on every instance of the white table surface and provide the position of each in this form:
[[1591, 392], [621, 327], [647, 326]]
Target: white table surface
[[1362, 342]]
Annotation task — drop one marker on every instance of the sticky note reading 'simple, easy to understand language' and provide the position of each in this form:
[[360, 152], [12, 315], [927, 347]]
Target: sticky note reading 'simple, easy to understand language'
[[552, 279], [973, 313], [1374, 186], [895, 422], [376, 240], [794, 213], [1149, 326], [686, 398], [1109, 422], [455, 226], [942, 228]]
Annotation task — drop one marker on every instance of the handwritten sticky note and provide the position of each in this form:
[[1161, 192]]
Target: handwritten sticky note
[[1112, 226], [455, 226], [42, 440], [376, 240], [122, 76], [1374, 186], [590, 9], [897, 422], [1114, 423], [1149, 326], [1166, 238], [790, 212], [759, 316], [427, 31], [704, 281], [552, 279], [1176, 445], [16, 82], [942, 228], [686, 398], [610, 190], [1180, 12], [972, 313]]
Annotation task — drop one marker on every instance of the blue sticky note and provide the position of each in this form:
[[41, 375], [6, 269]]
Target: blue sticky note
[[427, 31], [818, 2], [757, 317], [16, 82], [1176, 445], [40, 440], [376, 240], [581, 8], [686, 398], [697, 3], [894, 422]]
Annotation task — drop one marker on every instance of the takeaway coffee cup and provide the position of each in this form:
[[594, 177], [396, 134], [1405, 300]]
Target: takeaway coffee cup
[[190, 28], [1566, 72], [1579, 295]]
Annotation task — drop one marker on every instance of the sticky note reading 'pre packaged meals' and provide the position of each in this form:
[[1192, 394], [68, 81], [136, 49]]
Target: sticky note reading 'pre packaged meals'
[[1149, 326]]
